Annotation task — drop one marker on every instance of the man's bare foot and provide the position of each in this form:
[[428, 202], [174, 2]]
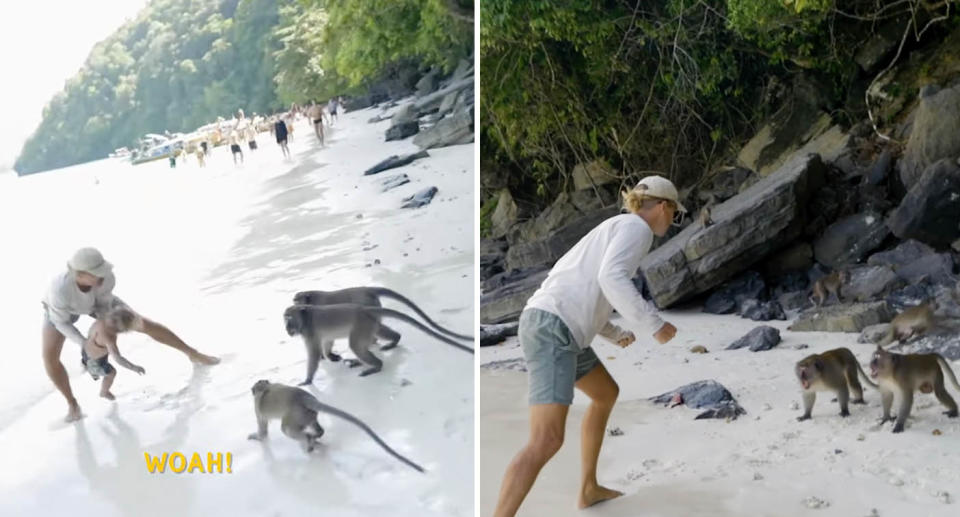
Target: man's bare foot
[[204, 359], [594, 495], [107, 395], [73, 414]]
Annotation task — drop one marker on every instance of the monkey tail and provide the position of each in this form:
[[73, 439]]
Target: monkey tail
[[949, 371], [389, 293], [316, 405], [390, 313], [864, 377]]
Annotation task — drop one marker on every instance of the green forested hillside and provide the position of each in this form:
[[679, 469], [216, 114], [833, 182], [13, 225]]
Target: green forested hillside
[[182, 63]]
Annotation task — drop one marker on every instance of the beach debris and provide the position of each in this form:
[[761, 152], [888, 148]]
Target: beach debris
[[708, 394], [699, 349], [616, 431], [937, 432], [395, 161], [419, 199], [794, 406], [394, 181], [760, 338], [405, 382], [815, 503], [757, 476]]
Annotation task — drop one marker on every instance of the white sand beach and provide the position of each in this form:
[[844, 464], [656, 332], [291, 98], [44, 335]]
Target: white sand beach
[[216, 254], [764, 463]]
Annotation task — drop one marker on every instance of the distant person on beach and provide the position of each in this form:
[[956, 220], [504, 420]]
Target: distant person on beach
[[332, 108], [102, 342], [252, 137], [561, 319], [235, 146], [315, 114], [200, 152], [280, 131], [86, 288]]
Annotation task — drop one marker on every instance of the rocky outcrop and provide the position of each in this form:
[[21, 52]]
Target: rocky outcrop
[[843, 318], [403, 130], [868, 283], [930, 212], [505, 295], [504, 216], [762, 219], [595, 173], [454, 129], [935, 134], [495, 334], [914, 262], [421, 198], [850, 239]]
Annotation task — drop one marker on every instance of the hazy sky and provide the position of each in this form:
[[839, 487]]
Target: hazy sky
[[42, 44]]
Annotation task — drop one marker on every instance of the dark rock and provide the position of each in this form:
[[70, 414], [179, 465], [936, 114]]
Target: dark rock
[[506, 302], [729, 298], [868, 283], [789, 283], [910, 296], [394, 162], [880, 168], [421, 198], [842, 318], [455, 129], [795, 301], [709, 395], [490, 265], [762, 311], [431, 103], [725, 184], [494, 334], [510, 277], [945, 343], [930, 212], [879, 46], [401, 131], [905, 253], [850, 239], [394, 181], [762, 219], [794, 258], [759, 339], [933, 137]]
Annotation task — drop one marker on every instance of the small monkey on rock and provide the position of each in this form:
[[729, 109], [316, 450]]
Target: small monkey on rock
[[902, 374], [830, 284], [834, 370], [912, 322]]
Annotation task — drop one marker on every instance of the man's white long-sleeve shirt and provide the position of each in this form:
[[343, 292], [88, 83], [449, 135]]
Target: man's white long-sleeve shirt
[[595, 277], [65, 300]]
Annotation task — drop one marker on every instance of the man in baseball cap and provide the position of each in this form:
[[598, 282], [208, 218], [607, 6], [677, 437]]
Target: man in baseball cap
[[560, 322], [86, 288]]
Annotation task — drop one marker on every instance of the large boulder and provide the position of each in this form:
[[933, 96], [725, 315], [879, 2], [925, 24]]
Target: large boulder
[[762, 219], [843, 318], [455, 129], [395, 161], [806, 130], [930, 212], [505, 302], [588, 175], [428, 83], [850, 239], [504, 216], [914, 261], [404, 130], [709, 395], [935, 133], [731, 296], [547, 250], [757, 340], [868, 283]]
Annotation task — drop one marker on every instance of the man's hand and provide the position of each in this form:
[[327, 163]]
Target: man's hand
[[666, 333], [138, 369], [626, 340]]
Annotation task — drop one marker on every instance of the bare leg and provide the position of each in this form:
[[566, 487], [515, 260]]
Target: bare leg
[[603, 391], [52, 345], [105, 387], [164, 335], [546, 437]]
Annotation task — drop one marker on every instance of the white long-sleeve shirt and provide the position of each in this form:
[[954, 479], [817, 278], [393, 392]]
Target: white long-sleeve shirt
[[64, 300], [595, 277]]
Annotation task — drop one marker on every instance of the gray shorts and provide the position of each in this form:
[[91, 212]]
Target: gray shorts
[[554, 360]]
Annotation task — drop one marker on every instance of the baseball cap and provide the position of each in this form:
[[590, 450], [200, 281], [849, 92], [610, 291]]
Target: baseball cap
[[90, 260], [662, 188]]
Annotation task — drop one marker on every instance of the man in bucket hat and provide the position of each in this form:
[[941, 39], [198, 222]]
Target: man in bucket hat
[[86, 287], [560, 320]]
